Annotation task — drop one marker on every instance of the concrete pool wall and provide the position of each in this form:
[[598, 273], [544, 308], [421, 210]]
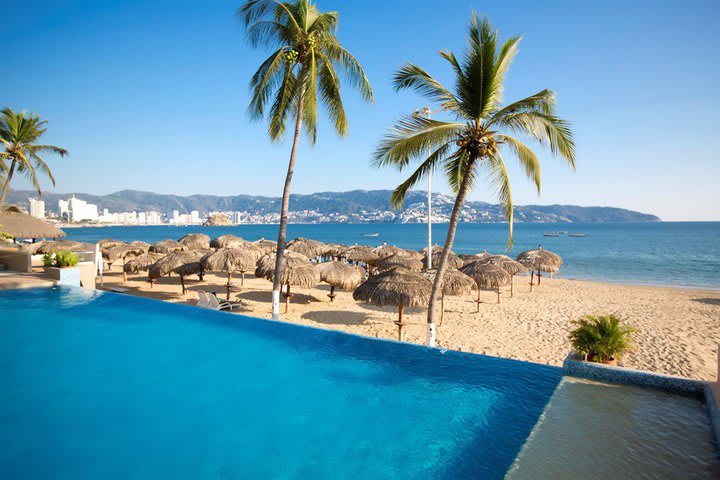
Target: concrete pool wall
[[710, 391]]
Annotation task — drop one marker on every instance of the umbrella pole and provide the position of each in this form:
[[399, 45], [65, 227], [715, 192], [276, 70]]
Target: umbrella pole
[[532, 277], [400, 322], [498, 292], [287, 297], [124, 275], [512, 283], [332, 293], [182, 283], [228, 285], [478, 300], [242, 278], [538, 275]]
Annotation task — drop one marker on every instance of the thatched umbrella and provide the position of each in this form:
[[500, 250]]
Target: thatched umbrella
[[109, 243], [71, 245], [307, 246], [361, 253], [231, 260], [399, 260], [19, 224], [385, 250], [397, 287], [123, 252], [226, 241], [541, 261], [414, 254], [508, 264], [473, 257], [141, 244], [334, 250], [486, 275], [339, 275], [167, 246], [172, 262], [455, 283], [452, 261], [295, 269], [195, 241], [141, 262], [266, 246]]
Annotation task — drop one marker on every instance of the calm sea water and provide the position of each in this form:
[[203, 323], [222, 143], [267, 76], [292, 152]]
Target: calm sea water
[[683, 254], [119, 387]]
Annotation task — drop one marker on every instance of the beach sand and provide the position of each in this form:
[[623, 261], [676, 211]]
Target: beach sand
[[678, 329]]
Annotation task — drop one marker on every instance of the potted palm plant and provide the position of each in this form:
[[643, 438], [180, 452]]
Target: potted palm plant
[[62, 266], [601, 338]]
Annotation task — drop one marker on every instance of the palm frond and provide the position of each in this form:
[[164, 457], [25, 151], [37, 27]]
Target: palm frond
[[329, 87], [526, 157], [547, 129], [264, 81], [414, 77], [495, 171], [430, 164]]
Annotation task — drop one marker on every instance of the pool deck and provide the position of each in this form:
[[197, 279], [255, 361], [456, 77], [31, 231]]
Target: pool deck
[[10, 280]]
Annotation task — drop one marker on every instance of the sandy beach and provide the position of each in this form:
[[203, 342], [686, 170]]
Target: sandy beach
[[678, 329]]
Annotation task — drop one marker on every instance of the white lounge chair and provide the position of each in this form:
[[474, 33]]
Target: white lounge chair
[[203, 299], [215, 304]]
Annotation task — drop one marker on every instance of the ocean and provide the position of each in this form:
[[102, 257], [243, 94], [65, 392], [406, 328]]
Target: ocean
[[679, 254]]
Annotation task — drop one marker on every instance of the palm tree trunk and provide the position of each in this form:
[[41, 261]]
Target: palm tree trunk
[[442, 264], [6, 186], [284, 208]]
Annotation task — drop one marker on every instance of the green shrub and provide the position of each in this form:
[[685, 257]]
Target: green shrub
[[60, 259], [601, 336]]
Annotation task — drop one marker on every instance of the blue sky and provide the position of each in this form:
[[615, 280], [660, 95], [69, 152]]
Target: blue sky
[[152, 95]]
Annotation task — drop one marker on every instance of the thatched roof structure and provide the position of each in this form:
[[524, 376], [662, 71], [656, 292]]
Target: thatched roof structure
[[361, 253], [486, 275], [230, 260], [473, 257], [123, 251], [506, 263], [167, 246], [453, 260], [334, 250], [225, 241], [395, 287], [542, 260], [295, 269], [306, 246], [385, 250], [195, 241], [172, 261], [109, 243], [455, 282], [266, 246], [142, 262], [142, 244], [414, 254], [19, 224], [340, 274], [399, 260], [71, 245]]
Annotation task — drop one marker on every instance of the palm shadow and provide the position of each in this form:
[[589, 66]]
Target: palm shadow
[[707, 301], [336, 317], [266, 296]]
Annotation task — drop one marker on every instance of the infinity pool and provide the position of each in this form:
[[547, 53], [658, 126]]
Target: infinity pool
[[103, 386]]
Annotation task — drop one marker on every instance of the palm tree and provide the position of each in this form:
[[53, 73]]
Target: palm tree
[[473, 145], [19, 134], [301, 72]]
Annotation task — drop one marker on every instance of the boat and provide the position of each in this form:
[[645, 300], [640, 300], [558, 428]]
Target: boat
[[577, 234], [553, 234], [369, 234]]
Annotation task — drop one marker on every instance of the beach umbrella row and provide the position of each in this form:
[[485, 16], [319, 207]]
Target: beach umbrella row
[[295, 270]]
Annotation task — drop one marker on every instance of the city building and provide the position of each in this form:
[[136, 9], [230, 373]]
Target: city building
[[37, 208]]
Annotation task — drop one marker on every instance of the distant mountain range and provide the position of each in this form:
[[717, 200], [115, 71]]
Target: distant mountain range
[[357, 206]]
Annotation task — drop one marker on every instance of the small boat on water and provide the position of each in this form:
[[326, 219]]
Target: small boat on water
[[369, 234], [577, 234], [553, 234]]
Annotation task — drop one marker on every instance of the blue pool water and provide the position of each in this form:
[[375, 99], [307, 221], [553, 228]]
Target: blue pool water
[[102, 386], [684, 254]]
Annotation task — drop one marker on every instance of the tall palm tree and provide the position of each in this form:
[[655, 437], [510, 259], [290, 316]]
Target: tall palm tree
[[472, 146], [19, 134], [301, 72]]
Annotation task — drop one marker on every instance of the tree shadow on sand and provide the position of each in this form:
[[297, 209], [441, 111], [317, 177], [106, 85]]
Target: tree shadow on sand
[[708, 301], [266, 297], [336, 317]]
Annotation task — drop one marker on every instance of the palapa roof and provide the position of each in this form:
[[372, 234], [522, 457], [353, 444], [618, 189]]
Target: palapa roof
[[340, 274], [506, 263], [230, 260], [295, 269], [361, 253], [228, 240], [453, 260], [306, 246], [385, 250], [167, 246], [486, 275], [334, 249], [109, 243], [21, 225], [454, 281], [411, 253], [195, 241], [395, 287], [173, 261], [142, 262], [71, 245], [399, 260], [539, 259], [123, 251], [473, 257], [266, 246]]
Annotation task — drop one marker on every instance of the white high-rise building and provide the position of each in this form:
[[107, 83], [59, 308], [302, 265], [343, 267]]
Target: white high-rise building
[[37, 208], [194, 216], [64, 208], [176, 216], [79, 210]]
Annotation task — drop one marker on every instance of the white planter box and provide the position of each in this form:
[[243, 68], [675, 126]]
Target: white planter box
[[65, 275]]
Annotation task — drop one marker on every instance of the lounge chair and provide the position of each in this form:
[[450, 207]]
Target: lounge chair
[[215, 304], [203, 299]]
